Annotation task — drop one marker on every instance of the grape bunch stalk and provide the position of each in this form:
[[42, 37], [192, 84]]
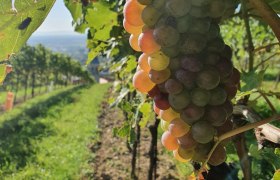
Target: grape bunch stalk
[[186, 68]]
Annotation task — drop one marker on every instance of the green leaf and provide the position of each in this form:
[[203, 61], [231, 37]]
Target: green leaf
[[277, 175], [254, 151], [252, 80], [277, 151], [124, 131], [275, 4], [16, 28], [102, 19], [75, 8], [147, 113], [2, 73]]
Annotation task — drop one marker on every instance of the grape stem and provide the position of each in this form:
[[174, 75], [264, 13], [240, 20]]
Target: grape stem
[[235, 132]]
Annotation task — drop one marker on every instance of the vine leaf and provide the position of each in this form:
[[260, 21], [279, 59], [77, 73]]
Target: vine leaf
[[17, 27], [252, 80], [276, 175]]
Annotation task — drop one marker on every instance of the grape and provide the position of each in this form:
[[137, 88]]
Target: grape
[[200, 97], [192, 114], [175, 63], [145, 2], [147, 43], [131, 29], [133, 41], [179, 101], [218, 96], [212, 58], [234, 78], [169, 141], [158, 61], [228, 126], [143, 62], [225, 68], [184, 23], [227, 52], [228, 107], [192, 64], [167, 21], [202, 151], [218, 157], [170, 51], [178, 8], [199, 12], [217, 45], [138, 79], [178, 127], [217, 116], [161, 87], [166, 36], [178, 157], [168, 115], [164, 125], [231, 91], [214, 31], [173, 86], [159, 77], [185, 153], [203, 132], [187, 78], [150, 15], [200, 25], [154, 92], [208, 79], [194, 44], [161, 101], [132, 13], [159, 4], [156, 109], [200, 2], [216, 8], [187, 141]]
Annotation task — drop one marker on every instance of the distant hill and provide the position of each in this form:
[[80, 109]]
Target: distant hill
[[72, 45]]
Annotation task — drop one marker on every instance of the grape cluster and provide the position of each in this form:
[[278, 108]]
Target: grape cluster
[[186, 68]]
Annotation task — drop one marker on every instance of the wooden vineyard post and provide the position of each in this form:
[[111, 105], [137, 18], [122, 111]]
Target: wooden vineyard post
[[9, 101]]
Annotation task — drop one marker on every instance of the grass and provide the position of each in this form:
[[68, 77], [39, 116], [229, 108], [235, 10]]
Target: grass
[[48, 137]]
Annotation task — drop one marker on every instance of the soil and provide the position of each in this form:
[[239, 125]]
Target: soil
[[113, 158]]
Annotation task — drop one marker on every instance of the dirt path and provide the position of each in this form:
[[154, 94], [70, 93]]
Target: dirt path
[[113, 158]]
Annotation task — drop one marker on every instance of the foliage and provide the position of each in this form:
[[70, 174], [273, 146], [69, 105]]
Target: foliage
[[30, 134], [17, 25]]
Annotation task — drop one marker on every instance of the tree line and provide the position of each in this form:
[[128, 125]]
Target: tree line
[[38, 68]]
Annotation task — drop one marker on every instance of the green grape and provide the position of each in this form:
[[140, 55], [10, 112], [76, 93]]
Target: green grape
[[218, 96], [228, 107], [159, 77], [200, 97], [179, 101], [211, 58], [200, 2], [225, 68], [208, 79], [185, 153], [159, 4], [194, 44], [171, 51], [172, 86], [203, 132], [201, 152], [192, 114], [145, 2], [150, 15], [178, 8], [227, 52], [216, 8], [184, 23], [218, 157], [200, 25], [214, 31], [164, 125], [166, 36], [158, 61], [175, 63], [216, 115], [199, 12]]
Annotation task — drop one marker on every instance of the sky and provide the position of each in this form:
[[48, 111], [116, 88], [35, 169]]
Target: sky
[[59, 21]]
